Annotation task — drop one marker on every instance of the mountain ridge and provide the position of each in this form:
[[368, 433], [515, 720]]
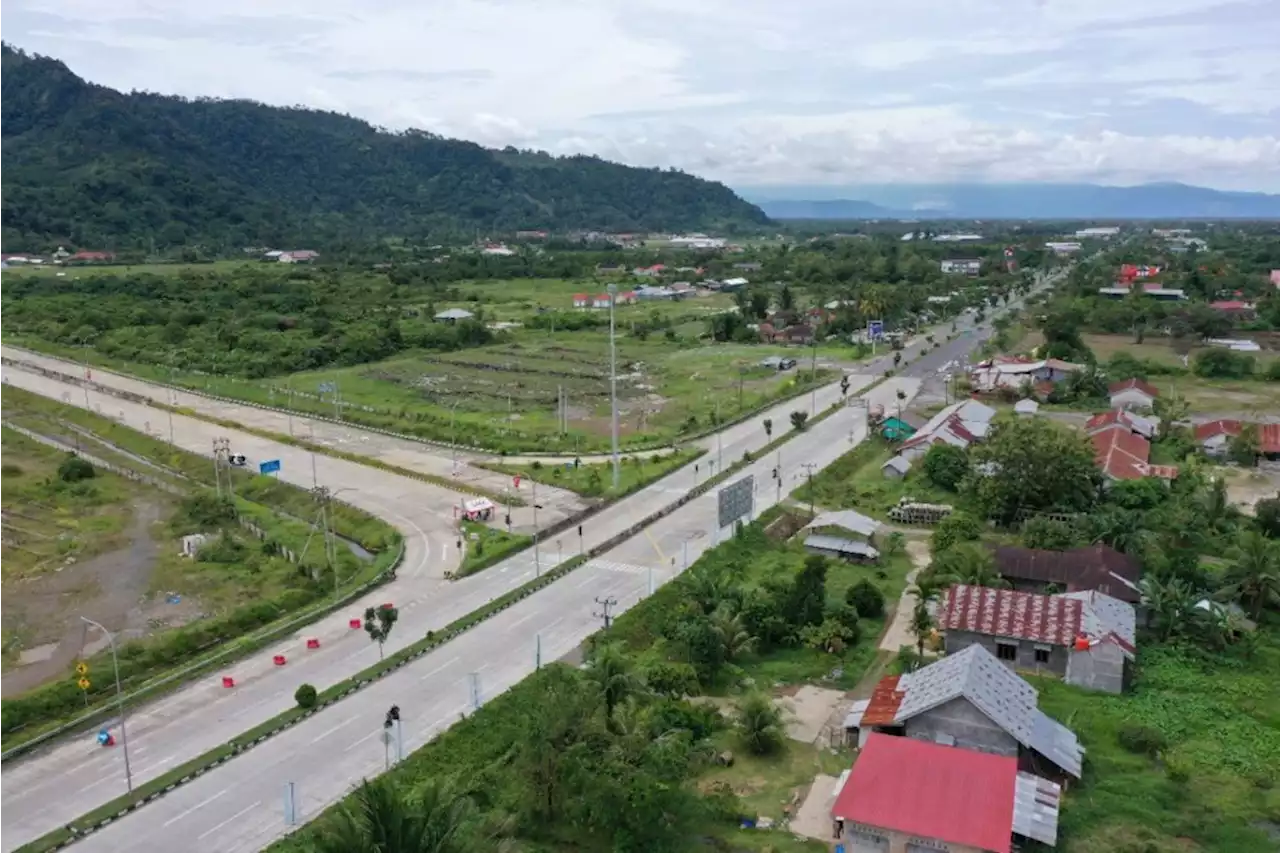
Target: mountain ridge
[[1163, 200], [90, 166]]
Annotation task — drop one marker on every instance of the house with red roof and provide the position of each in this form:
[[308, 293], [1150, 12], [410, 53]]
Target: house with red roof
[[1086, 637], [581, 300], [1121, 419], [959, 424], [1215, 436], [905, 795], [1132, 394], [1123, 455], [91, 258], [1235, 308]]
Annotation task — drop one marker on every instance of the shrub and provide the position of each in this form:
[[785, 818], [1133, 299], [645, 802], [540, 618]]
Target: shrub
[[866, 599], [955, 528], [305, 696], [1141, 740], [946, 465], [73, 469]]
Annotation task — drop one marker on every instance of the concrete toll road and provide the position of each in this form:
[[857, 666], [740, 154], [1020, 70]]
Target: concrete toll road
[[239, 806], [70, 779]]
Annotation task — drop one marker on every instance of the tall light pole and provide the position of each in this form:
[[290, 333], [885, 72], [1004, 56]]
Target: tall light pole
[[124, 737], [613, 382]]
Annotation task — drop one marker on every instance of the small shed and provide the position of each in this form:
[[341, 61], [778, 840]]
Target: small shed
[[896, 468], [838, 546], [846, 519], [896, 429], [453, 315], [1026, 408]]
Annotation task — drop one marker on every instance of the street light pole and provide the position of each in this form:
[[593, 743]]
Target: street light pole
[[613, 382], [124, 737]]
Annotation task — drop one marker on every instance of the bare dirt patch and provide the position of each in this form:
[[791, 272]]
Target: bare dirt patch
[[110, 588]]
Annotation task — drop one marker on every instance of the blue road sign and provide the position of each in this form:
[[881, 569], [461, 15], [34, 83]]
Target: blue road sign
[[875, 330], [271, 466]]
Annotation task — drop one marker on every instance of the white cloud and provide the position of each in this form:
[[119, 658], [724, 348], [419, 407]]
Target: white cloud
[[748, 91]]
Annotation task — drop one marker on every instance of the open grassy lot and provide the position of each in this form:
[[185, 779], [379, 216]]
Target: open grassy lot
[[49, 522], [855, 481], [486, 546], [596, 479], [1211, 787], [132, 269], [504, 396], [513, 300]]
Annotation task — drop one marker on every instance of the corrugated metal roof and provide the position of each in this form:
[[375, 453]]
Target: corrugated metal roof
[[1036, 803], [898, 463], [994, 689], [846, 519], [1106, 619], [1010, 613], [940, 792], [841, 546]]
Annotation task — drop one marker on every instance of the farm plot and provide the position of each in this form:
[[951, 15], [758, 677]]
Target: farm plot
[[508, 396]]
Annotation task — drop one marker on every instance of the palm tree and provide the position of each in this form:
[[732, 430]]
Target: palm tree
[[968, 563], [735, 639], [1168, 604], [759, 724], [378, 818], [613, 673], [1254, 575]]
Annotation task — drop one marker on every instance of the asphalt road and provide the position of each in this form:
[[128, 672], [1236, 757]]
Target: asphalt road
[[238, 807]]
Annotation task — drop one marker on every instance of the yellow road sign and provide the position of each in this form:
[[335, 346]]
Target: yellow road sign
[[84, 683], [82, 668]]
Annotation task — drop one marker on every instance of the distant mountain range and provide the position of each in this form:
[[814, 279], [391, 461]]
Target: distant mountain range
[[1010, 201]]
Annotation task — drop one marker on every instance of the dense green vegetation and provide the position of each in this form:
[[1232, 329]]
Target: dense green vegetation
[[617, 756], [93, 168]]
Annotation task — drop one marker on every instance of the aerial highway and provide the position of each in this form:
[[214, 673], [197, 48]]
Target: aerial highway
[[61, 783]]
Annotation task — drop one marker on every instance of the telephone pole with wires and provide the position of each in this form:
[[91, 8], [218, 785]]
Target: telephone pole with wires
[[606, 610], [222, 466]]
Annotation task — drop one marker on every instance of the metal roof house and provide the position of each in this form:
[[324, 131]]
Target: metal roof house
[[453, 315], [906, 794], [1086, 637], [854, 546], [970, 700]]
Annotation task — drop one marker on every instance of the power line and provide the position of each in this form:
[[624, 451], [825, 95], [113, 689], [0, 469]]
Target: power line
[[606, 605]]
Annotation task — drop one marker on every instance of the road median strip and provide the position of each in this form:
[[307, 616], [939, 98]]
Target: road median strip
[[149, 791]]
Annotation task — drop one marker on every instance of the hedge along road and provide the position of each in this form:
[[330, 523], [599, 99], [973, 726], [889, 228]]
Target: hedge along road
[[57, 785], [238, 807]]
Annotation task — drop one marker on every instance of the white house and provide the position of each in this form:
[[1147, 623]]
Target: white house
[[959, 424], [962, 266], [581, 300], [1132, 394], [1098, 233], [1063, 248], [1015, 372]]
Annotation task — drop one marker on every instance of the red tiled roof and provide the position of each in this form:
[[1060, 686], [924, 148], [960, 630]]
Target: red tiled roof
[[923, 789], [1120, 454], [1222, 426], [1103, 420], [580, 296], [1269, 438], [1010, 613], [1230, 305], [882, 710], [1147, 388]]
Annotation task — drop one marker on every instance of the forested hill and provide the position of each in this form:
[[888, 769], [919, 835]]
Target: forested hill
[[91, 167]]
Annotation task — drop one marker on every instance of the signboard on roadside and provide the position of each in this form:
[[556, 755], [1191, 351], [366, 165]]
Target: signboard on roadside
[[736, 500], [271, 466], [875, 330]]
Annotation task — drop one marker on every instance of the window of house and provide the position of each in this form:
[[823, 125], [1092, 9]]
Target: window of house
[[1007, 651], [1042, 655]]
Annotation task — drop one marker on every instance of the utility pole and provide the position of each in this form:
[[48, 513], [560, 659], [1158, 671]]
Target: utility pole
[[537, 559], [613, 381], [606, 606], [222, 462], [809, 468], [777, 474], [719, 440], [124, 737]]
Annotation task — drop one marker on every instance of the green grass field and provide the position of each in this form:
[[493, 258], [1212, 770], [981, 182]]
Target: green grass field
[[596, 479], [504, 396], [1212, 786], [132, 269], [855, 481], [486, 546]]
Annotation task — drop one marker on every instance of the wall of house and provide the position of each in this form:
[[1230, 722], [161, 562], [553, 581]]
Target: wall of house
[[864, 838], [1026, 651], [971, 728], [1103, 667]]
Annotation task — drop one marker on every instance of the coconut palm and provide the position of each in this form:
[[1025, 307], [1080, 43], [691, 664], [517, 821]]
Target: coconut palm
[[968, 563], [735, 639], [379, 818], [1254, 576], [1168, 604], [613, 673], [759, 724]]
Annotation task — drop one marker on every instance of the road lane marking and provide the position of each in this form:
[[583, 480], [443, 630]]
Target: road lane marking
[[444, 665], [363, 739], [325, 734], [196, 807], [649, 535], [234, 817]]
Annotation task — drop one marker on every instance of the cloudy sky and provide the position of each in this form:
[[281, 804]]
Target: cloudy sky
[[751, 92]]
